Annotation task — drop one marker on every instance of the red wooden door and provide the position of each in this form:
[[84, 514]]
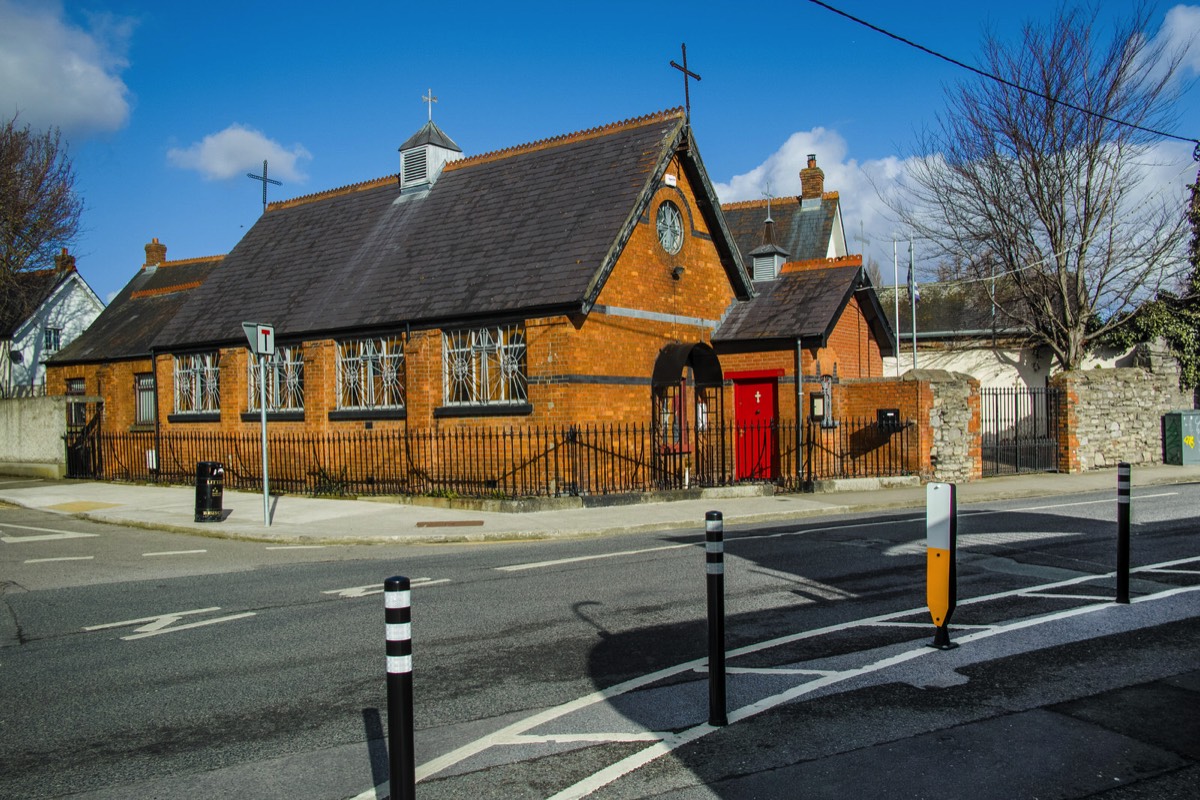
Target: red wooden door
[[755, 404]]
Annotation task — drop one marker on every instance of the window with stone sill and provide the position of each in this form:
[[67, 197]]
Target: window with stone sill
[[485, 367], [371, 374], [197, 378], [285, 380], [143, 387]]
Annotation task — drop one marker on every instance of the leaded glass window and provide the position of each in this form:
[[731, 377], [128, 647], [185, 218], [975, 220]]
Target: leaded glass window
[[485, 366], [285, 380], [371, 374], [197, 383]]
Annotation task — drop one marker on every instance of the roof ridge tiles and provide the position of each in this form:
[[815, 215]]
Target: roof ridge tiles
[[161, 290], [182, 262], [567, 138], [361, 186], [775, 201]]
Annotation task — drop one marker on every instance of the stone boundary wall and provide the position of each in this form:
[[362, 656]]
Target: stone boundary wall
[[31, 436], [1115, 415], [945, 407]]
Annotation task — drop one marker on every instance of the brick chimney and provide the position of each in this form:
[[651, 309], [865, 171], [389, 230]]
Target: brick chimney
[[64, 262], [156, 253], [812, 180]]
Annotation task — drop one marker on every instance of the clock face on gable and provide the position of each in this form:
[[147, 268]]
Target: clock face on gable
[[669, 224]]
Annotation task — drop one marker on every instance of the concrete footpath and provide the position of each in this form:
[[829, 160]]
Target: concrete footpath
[[300, 519]]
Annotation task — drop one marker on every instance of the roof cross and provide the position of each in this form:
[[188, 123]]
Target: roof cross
[[687, 73], [430, 99], [265, 180], [767, 194]]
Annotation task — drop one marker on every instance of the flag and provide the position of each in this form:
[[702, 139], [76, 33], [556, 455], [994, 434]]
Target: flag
[[913, 291]]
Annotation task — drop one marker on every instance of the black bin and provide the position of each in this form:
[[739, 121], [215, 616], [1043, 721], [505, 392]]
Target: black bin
[[210, 486]]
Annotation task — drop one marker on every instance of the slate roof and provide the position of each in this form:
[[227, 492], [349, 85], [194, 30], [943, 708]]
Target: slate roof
[[523, 232], [805, 304], [148, 302], [803, 232], [948, 311], [28, 290]]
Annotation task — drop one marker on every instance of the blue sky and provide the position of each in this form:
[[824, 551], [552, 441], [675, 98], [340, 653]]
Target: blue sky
[[167, 105]]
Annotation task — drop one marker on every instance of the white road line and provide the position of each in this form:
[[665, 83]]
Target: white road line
[[918, 546], [568, 738], [174, 553], [1053, 596], [577, 559], [48, 537], [62, 558], [377, 588], [165, 623], [668, 743], [296, 547]]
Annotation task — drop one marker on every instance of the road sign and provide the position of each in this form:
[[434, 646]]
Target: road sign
[[261, 338]]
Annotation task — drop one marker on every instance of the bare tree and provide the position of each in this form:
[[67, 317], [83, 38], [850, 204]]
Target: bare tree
[[1033, 185], [39, 209]]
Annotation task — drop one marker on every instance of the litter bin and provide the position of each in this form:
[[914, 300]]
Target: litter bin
[[1181, 437], [210, 486]]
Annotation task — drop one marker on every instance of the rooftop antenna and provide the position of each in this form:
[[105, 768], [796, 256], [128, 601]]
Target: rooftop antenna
[[430, 99], [265, 180], [687, 73]]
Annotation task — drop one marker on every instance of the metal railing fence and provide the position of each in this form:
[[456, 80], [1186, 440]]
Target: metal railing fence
[[500, 462]]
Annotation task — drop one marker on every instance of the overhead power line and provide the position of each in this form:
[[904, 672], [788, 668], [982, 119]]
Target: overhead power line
[[1008, 83]]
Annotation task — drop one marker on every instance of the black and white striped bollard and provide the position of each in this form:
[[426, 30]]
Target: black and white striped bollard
[[397, 603], [1122, 532], [714, 567]]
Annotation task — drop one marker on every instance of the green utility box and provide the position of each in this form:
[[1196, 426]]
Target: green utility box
[[1181, 437]]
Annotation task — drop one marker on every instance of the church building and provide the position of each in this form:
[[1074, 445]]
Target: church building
[[587, 279]]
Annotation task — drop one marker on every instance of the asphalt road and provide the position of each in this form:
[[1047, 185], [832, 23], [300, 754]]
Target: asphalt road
[[158, 665]]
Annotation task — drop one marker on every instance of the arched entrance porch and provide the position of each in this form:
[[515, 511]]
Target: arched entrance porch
[[687, 417]]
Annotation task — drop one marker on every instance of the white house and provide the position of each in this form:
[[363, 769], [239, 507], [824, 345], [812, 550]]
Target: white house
[[44, 312]]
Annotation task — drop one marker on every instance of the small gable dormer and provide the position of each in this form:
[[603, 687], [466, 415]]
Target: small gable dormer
[[424, 154]]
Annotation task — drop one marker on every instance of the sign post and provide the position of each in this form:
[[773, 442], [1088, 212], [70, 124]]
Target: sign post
[[262, 344], [941, 531]]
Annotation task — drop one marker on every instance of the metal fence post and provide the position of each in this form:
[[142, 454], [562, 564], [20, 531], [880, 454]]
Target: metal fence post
[[1123, 532], [398, 616], [714, 567]]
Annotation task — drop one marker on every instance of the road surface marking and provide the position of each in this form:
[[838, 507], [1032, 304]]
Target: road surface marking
[[668, 742], [918, 546], [165, 623], [62, 558], [377, 588], [559, 561], [174, 553], [48, 535], [297, 547]]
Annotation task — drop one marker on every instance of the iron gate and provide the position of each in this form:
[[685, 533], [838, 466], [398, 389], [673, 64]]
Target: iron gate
[[1020, 430]]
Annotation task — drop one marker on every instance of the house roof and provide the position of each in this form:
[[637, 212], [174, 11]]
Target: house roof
[[28, 290], [949, 311], [526, 231], [801, 229], [805, 303], [148, 302]]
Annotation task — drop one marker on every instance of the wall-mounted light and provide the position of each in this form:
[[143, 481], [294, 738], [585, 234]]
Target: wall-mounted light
[[677, 272]]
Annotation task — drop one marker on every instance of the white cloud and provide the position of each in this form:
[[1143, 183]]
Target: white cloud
[[231, 152], [54, 73], [1180, 32], [859, 186]]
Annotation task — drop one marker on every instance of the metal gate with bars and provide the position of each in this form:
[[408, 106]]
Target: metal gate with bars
[[1020, 430]]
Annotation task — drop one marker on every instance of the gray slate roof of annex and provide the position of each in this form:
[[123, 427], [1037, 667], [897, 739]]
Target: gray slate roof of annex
[[803, 233], [127, 326], [499, 236]]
